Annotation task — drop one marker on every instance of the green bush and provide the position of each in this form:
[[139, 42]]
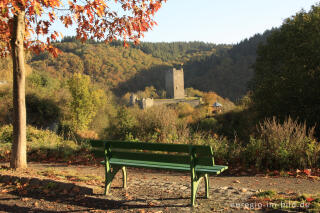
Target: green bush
[[122, 126], [41, 144], [156, 124], [85, 103], [224, 151], [184, 109], [208, 125], [41, 112], [38, 80], [239, 122], [6, 107], [283, 146]]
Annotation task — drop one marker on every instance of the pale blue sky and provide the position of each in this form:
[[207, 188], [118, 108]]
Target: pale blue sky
[[221, 21]]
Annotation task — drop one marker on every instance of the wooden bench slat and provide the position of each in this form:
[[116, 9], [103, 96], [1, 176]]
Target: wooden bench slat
[[138, 163], [166, 158], [180, 148], [205, 161], [202, 150], [98, 152], [183, 159], [97, 143], [157, 165], [217, 169], [149, 164]]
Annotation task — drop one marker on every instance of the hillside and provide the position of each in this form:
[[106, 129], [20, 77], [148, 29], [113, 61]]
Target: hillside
[[104, 63], [224, 69], [228, 71]]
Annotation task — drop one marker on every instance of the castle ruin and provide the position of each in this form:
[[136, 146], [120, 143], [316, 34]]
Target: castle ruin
[[174, 81]]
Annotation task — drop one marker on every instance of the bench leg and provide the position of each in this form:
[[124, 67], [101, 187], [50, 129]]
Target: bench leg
[[194, 189], [206, 178], [107, 182], [107, 185], [124, 175], [109, 177]]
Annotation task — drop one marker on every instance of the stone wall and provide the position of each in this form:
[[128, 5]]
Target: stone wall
[[192, 102], [146, 103]]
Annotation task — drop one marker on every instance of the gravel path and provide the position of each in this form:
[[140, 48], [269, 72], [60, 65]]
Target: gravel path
[[148, 191]]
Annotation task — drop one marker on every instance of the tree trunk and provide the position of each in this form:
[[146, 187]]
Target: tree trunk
[[18, 151]]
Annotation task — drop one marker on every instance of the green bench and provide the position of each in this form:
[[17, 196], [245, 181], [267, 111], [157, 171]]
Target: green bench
[[198, 160]]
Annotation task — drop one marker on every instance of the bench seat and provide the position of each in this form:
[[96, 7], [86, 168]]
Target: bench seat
[[216, 169]]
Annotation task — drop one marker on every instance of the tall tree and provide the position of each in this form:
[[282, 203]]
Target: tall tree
[[287, 70], [85, 101], [30, 24]]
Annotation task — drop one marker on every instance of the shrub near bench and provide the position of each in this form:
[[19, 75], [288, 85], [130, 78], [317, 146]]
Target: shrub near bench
[[181, 157]]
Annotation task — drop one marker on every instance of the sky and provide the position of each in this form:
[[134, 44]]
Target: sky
[[221, 21]]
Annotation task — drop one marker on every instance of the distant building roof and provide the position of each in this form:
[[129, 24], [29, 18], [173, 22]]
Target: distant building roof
[[217, 104]]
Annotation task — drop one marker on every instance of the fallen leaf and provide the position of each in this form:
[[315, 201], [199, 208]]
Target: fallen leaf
[[246, 208], [309, 199], [128, 197], [313, 177], [307, 172], [25, 199], [236, 181]]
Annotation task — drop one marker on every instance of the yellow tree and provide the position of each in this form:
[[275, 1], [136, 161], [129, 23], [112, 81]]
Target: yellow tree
[[29, 24]]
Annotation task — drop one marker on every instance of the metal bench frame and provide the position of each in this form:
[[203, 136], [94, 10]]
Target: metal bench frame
[[182, 157]]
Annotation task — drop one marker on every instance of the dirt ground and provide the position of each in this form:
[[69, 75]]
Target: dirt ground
[[63, 188]]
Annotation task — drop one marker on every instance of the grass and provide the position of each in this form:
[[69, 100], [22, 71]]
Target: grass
[[70, 176], [265, 194], [45, 145], [290, 202]]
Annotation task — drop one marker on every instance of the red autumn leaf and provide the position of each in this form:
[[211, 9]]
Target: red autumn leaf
[[307, 172], [309, 199]]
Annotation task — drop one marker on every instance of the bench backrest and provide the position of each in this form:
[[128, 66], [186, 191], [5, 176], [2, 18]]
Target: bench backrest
[[158, 152]]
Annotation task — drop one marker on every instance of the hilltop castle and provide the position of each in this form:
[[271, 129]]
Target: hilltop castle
[[174, 84]]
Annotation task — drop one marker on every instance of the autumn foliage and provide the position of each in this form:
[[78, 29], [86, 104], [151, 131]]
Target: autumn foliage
[[30, 24], [92, 19]]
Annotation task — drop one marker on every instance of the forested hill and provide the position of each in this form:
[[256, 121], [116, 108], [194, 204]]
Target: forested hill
[[106, 64], [228, 71], [224, 69]]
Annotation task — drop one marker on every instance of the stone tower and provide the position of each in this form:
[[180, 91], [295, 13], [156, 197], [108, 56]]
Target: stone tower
[[175, 84]]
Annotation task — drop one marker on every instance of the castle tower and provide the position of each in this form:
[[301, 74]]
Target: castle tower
[[175, 84]]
